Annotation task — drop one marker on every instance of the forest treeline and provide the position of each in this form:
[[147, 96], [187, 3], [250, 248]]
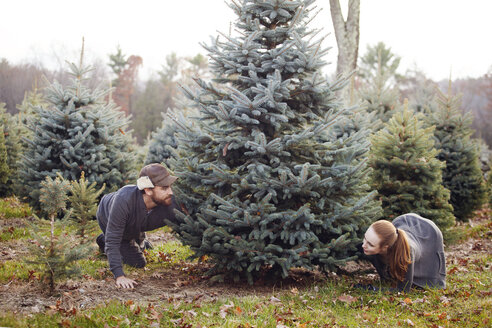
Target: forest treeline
[[146, 99]]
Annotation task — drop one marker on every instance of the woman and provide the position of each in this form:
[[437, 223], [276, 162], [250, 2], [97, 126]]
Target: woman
[[409, 249]]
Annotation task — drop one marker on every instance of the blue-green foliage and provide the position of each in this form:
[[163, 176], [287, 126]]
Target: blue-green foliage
[[57, 255], [407, 173], [489, 186], [267, 178], [462, 174], [378, 91], [162, 143], [10, 151], [77, 131]]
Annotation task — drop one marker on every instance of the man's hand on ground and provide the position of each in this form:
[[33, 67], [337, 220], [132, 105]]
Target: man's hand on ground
[[125, 282]]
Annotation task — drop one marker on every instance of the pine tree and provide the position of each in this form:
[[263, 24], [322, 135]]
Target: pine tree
[[265, 185], [488, 179], [462, 175], [141, 152], [83, 201], [163, 144], [161, 140], [77, 132], [149, 105], [4, 167], [486, 162], [27, 112], [378, 91], [57, 254], [12, 149], [407, 173], [117, 63], [485, 156], [379, 60], [419, 90]]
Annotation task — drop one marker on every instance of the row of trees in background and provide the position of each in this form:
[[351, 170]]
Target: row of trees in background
[[147, 100], [144, 101]]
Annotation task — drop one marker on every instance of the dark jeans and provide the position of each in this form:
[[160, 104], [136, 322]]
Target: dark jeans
[[131, 251]]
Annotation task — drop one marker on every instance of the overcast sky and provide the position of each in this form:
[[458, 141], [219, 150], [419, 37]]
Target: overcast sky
[[438, 36]]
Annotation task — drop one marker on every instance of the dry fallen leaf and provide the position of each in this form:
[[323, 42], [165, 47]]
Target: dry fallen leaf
[[444, 300], [192, 313], [409, 322], [443, 316], [273, 299], [156, 275], [346, 298], [224, 309]]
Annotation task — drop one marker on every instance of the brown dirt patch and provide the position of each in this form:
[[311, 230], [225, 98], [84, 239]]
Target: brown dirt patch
[[162, 285], [13, 250]]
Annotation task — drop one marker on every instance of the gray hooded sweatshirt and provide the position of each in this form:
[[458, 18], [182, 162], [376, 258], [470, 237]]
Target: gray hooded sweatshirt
[[428, 267]]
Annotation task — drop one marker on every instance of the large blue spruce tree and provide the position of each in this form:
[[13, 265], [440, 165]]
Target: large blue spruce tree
[[266, 181], [77, 131]]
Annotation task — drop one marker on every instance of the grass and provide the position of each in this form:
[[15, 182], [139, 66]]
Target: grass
[[13, 233], [466, 302], [16, 270], [168, 254], [11, 207]]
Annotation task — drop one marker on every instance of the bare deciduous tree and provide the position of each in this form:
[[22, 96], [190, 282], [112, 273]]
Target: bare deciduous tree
[[347, 35], [15, 81]]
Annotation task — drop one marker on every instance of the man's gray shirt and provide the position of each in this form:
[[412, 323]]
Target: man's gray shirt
[[122, 216]]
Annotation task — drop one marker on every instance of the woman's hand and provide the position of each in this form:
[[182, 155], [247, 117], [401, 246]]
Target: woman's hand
[[125, 282]]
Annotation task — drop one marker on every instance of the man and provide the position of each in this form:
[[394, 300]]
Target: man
[[126, 214]]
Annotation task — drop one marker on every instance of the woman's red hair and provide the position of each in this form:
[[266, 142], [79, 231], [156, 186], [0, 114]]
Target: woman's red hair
[[398, 254]]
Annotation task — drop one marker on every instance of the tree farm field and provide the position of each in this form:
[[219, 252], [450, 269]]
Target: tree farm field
[[174, 291]]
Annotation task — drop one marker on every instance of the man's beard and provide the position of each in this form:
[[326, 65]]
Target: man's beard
[[166, 201]]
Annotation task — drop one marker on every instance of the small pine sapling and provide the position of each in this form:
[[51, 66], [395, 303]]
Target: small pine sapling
[[83, 201], [56, 253]]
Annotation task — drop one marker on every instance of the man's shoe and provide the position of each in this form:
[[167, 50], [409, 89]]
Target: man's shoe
[[147, 244], [100, 242]]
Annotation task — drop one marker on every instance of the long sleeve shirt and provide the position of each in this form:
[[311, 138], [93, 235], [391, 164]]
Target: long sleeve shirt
[[122, 216], [428, 267]]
